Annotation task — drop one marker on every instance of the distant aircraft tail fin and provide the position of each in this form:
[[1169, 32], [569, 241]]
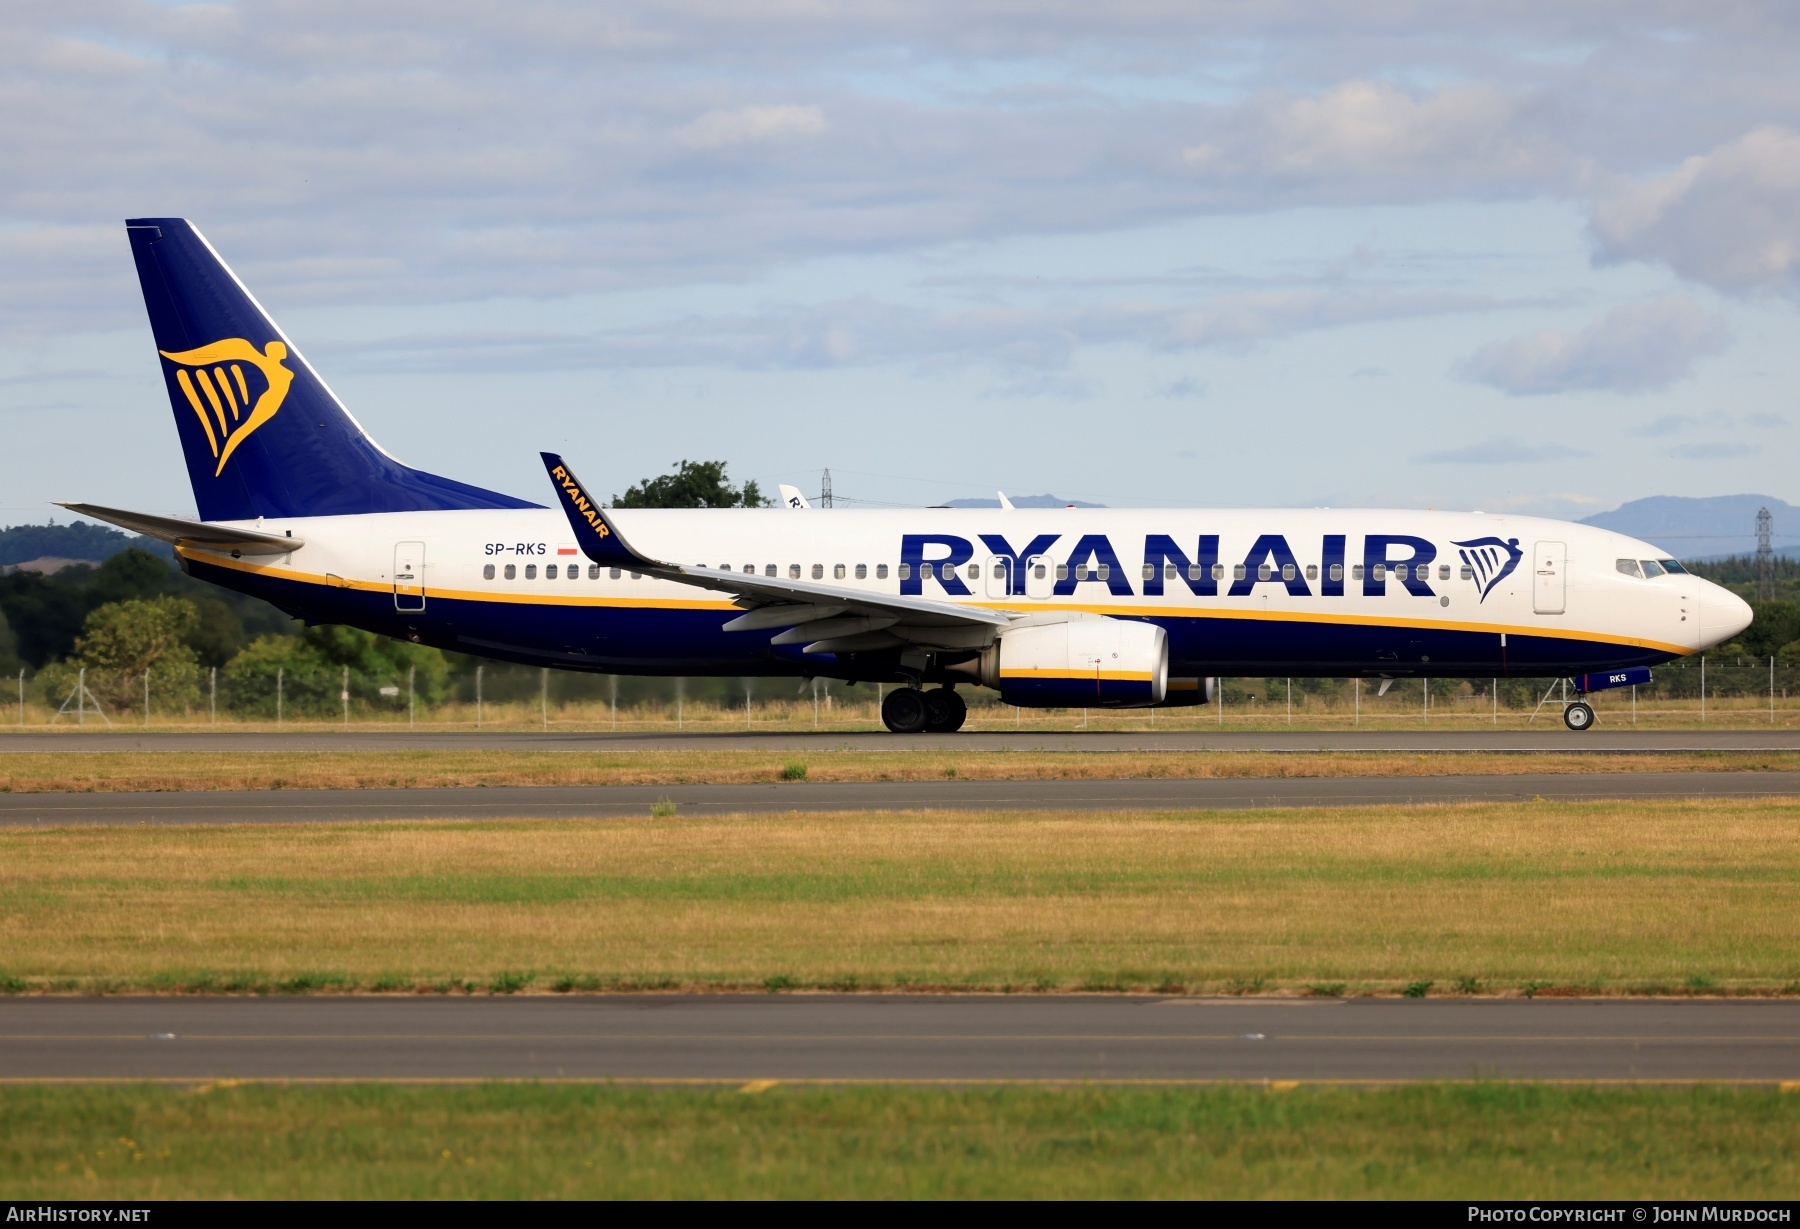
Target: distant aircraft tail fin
[[262, 434]]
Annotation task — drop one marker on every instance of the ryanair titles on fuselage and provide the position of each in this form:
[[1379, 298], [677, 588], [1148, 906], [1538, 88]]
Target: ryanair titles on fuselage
[[1404, 558]]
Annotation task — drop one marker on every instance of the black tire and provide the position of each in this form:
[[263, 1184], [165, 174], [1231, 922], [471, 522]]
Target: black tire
[[904, 711], [945, 711], [1579, 716]]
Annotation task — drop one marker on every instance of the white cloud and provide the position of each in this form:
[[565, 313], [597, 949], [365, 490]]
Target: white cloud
[[1729, 218], [1502, 450], [1632, 349], [751, 125]]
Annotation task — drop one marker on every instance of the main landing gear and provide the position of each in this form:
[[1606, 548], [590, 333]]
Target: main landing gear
[[908, 710]]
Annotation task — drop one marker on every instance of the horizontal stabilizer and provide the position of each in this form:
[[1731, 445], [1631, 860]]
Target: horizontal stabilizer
[[178, 532]]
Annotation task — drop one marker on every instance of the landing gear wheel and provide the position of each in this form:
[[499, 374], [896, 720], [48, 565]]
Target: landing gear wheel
[[945, 711], [904, 711], [1579, 716]]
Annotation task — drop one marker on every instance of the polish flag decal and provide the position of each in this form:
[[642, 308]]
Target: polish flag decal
[[565, 550]]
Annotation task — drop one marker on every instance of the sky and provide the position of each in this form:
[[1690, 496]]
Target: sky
[[1522, 256]]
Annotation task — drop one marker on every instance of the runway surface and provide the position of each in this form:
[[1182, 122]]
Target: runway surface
[[593, 802], [922, 1038], [1550, 737]]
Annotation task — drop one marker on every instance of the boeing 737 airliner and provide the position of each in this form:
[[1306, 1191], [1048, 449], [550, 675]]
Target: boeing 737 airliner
[[1050, 607]]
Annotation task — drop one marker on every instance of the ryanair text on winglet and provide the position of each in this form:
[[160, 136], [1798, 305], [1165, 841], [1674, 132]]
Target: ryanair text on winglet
[[572, 492]]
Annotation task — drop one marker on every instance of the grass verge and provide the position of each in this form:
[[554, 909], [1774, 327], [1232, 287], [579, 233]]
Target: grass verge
[[1674, 897], [133, 771], [562, 1141]]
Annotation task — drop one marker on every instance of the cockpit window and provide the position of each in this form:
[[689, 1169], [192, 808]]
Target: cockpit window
[[1652, 568], [1630, 568], [1673, 568]]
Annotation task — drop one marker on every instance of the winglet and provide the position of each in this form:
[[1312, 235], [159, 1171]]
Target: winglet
[[594, 533]]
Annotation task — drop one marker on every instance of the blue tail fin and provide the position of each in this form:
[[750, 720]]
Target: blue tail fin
[[262, 434]]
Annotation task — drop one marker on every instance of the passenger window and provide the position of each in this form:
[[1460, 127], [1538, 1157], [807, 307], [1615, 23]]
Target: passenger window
[[999, 571], [593, 571], [837, 571], [1337, 571], [903, 572], [1380, 571], [1264, 571], [511, 571], [487, 573], [1149, 572], [637, 576], [1103, 571], [768, 569], [1193, 571], [793, 571], [1629, 567], [1062, 571], [613, 573], [1287, 571], [1218, 571], [1443, 571], [1238, 572], [974, 571], [881, 571], [1312, 571], [549, 571], [531, 571], [1356, 572], [1468, 573], [1651, 568], [818, 571], [1081, 571], [1038, 571], [1399, 571], [925, 571], [574, 571], [862, 571]]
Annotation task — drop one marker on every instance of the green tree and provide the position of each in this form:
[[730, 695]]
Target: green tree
[[694, 484], [311, 670], [121, 640]]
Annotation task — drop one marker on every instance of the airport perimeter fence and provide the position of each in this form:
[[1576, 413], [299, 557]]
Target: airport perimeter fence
[[1703, 691]]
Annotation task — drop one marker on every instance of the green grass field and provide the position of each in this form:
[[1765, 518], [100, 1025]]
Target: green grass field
[[1602, 897], [1450, 1141], [140, 771]]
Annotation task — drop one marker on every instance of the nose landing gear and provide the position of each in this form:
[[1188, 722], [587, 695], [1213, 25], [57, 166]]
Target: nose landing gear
[[908, 710], [1579, 715]]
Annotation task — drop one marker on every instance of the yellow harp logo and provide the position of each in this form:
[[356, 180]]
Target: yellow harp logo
[[212, 377]]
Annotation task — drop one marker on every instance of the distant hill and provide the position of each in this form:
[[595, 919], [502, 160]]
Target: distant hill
[[1704, 528], [79, 541], [1022, 501]]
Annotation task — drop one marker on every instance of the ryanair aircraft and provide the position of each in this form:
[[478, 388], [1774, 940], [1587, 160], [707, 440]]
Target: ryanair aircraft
[[1050, 607]]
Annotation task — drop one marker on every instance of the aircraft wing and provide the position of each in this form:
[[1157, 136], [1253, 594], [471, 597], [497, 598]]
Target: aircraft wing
[[178, 532], [824, 618]]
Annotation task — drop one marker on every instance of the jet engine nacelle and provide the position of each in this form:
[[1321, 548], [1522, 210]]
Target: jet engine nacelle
[[1189, 693], [1091, 662]]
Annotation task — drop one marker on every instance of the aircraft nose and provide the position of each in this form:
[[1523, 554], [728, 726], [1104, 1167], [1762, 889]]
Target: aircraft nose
[[1723, 614]]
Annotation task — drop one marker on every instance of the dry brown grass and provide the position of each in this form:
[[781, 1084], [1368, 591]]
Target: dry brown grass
[[1605, 896], [128, 771]]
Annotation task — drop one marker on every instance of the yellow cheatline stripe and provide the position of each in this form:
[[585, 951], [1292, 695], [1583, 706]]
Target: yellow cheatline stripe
[[467, 595], [1111, 676], [533, 599], [203, 1083], [1353, 620]]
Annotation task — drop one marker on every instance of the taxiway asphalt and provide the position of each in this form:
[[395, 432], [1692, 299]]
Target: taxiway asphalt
[[916, 1038], [286, 806], [1424, 740]]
